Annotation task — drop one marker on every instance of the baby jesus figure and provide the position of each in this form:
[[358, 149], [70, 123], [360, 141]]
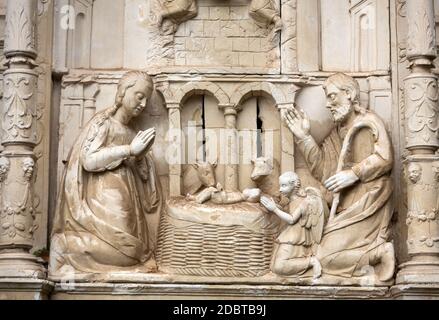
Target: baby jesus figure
[[305, 218]]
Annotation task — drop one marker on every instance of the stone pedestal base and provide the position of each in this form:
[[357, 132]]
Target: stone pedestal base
[[122, 291], [21, 265], [415, 292], [418, 273], [25, 289]]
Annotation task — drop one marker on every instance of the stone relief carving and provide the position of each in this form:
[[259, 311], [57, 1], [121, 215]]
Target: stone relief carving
[[17, 207], [111, 167], [423, 209], [356, 154], [202, 176], [234, 240], [422, 96], [265, 174], [414, 172], [420, 38], [402, 8], [436, 171], [265, 12], [5, 165], [175, 12], [305, 218], [213, 191], [28, 169], [19, 122]]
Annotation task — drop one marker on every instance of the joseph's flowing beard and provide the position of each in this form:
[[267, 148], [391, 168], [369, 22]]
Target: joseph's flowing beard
[[340, 113]]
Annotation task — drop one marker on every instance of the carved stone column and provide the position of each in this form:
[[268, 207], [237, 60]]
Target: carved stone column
[[175, 161], [17, 162], [421, 125], [231, 179]]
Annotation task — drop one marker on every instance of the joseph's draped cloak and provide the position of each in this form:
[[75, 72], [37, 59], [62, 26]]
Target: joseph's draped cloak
[[102, 211], [364, 213]]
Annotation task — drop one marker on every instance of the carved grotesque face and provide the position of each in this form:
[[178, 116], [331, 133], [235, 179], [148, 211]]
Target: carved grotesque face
[[136, 97], [414, 172], [338, 102], [288, 184], [436, 171], [4, 168], [28, 168], [262, 167]]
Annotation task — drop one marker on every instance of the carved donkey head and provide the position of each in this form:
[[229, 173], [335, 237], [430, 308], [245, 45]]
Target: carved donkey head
[[206, 173], [262, 167]]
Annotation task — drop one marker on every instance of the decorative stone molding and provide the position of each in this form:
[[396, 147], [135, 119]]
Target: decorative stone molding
[[422, 121], [423, 214], [19, 121]]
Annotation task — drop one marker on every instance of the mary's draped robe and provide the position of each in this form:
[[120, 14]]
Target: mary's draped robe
[[101, 223], [364, 213]]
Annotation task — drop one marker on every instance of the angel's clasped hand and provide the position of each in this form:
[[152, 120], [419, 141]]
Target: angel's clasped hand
[[269, 204]]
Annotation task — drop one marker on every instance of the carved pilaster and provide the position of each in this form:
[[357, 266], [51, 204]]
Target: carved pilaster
[[422, 165], [17, 165]]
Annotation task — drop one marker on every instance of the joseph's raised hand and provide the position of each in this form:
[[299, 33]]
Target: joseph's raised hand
[[298, 123]]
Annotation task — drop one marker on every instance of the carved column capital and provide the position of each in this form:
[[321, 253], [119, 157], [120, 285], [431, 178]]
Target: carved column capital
[[173, 105]]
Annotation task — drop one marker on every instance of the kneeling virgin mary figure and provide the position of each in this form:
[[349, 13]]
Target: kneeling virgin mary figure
[[109, 187]]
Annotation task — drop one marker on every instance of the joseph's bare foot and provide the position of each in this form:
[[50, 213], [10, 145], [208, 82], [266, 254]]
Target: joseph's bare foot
[[316, 267], [386, 268]]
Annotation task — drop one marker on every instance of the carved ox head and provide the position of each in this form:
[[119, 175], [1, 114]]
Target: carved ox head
[[206, 173], [262, 167]]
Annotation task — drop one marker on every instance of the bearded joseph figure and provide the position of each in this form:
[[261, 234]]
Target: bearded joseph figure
[[109, 187], [354, 163]]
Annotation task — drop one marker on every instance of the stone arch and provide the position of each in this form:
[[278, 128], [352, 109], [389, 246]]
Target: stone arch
[[165, 92], [255, 89], [193, 88]]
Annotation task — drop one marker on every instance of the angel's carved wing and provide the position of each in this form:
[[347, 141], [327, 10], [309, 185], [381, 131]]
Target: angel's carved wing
[[317, 213]]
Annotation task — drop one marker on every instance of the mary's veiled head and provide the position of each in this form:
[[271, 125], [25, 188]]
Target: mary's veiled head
[[133, 92]]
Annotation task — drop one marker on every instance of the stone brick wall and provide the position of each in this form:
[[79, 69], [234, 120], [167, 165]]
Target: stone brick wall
[[225, 36]]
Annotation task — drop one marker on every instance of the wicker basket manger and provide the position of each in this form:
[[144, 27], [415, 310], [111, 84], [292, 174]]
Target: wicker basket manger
[[216, 241]]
